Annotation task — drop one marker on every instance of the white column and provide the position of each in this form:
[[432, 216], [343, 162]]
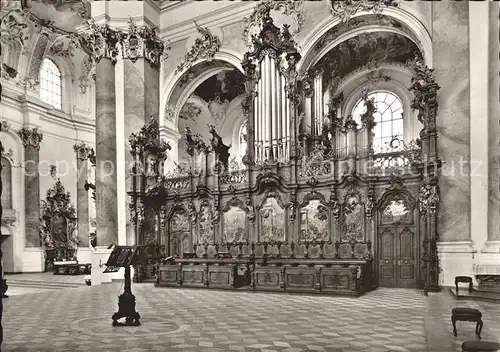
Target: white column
[[479, 101]]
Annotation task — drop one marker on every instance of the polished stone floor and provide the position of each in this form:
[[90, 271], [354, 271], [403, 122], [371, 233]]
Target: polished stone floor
[[78, 319]]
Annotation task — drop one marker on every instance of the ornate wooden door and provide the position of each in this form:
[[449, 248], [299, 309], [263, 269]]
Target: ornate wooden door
[[397, 257]]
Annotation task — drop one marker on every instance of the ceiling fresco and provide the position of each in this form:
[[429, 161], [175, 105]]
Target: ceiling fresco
[[367, 48], [66, 15], [225, 85], [378, 20]]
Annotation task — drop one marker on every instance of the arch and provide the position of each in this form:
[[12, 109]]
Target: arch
[[223, 60], [404, 19]]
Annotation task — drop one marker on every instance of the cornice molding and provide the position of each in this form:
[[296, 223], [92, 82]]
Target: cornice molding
[[456, 247], [21, 102], [220, 18]]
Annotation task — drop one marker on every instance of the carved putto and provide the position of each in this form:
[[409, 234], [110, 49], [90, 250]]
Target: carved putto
[[204, 47]]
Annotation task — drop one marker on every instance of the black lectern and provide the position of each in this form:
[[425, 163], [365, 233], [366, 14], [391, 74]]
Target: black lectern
[[125, 256]]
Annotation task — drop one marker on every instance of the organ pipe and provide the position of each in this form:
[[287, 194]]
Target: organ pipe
[[318, 104], [285, 126], [272, 113]]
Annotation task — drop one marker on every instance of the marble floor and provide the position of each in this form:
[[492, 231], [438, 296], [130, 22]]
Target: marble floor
[[78, 319]]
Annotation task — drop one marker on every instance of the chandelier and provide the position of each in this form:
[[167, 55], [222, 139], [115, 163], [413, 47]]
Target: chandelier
[[348, 8]]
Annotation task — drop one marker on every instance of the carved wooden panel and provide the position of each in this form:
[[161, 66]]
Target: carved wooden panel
[[387, 260], [300, 279], [314, 221], [234, 225], [220, 276], [205, 225], [179, 233], [267, 278], [353, 220], [169, 275], [272, 221], [6, 184], [336, 279], [406, 259], [193, 275]]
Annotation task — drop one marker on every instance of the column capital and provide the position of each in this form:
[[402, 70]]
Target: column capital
[[82, 151], [143, 42], [31, 137], [100, 41]]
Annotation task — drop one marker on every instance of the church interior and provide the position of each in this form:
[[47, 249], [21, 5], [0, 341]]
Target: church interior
[[205, 154]]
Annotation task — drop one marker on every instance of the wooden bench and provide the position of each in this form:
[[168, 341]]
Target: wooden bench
[[467, 314], [313, 267], [464, 280], [480, 346]]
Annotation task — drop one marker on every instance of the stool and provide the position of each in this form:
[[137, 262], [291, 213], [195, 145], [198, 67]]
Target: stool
[[467, 314], [463, 280], [480, 346]]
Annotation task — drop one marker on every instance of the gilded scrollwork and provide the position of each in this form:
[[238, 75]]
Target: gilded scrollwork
[[13, 24], [82, 151], [428, 197], [100, 41], [143, 42], [262, 12], [58, 218], [347, 9], [31, 137], [204, 47], [424, 89]]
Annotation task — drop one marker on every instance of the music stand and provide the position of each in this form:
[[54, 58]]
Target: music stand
[[125, 256]]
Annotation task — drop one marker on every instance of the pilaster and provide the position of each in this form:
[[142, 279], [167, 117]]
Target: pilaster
[[82, 196], [479, 102], [31, 139]]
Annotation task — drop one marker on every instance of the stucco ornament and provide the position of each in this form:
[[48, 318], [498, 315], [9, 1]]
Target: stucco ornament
[[347, 9]]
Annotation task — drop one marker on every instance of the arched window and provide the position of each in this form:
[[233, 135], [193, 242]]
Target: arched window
[[243, 139], [6, 184], [50, 84], [389, 118]]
